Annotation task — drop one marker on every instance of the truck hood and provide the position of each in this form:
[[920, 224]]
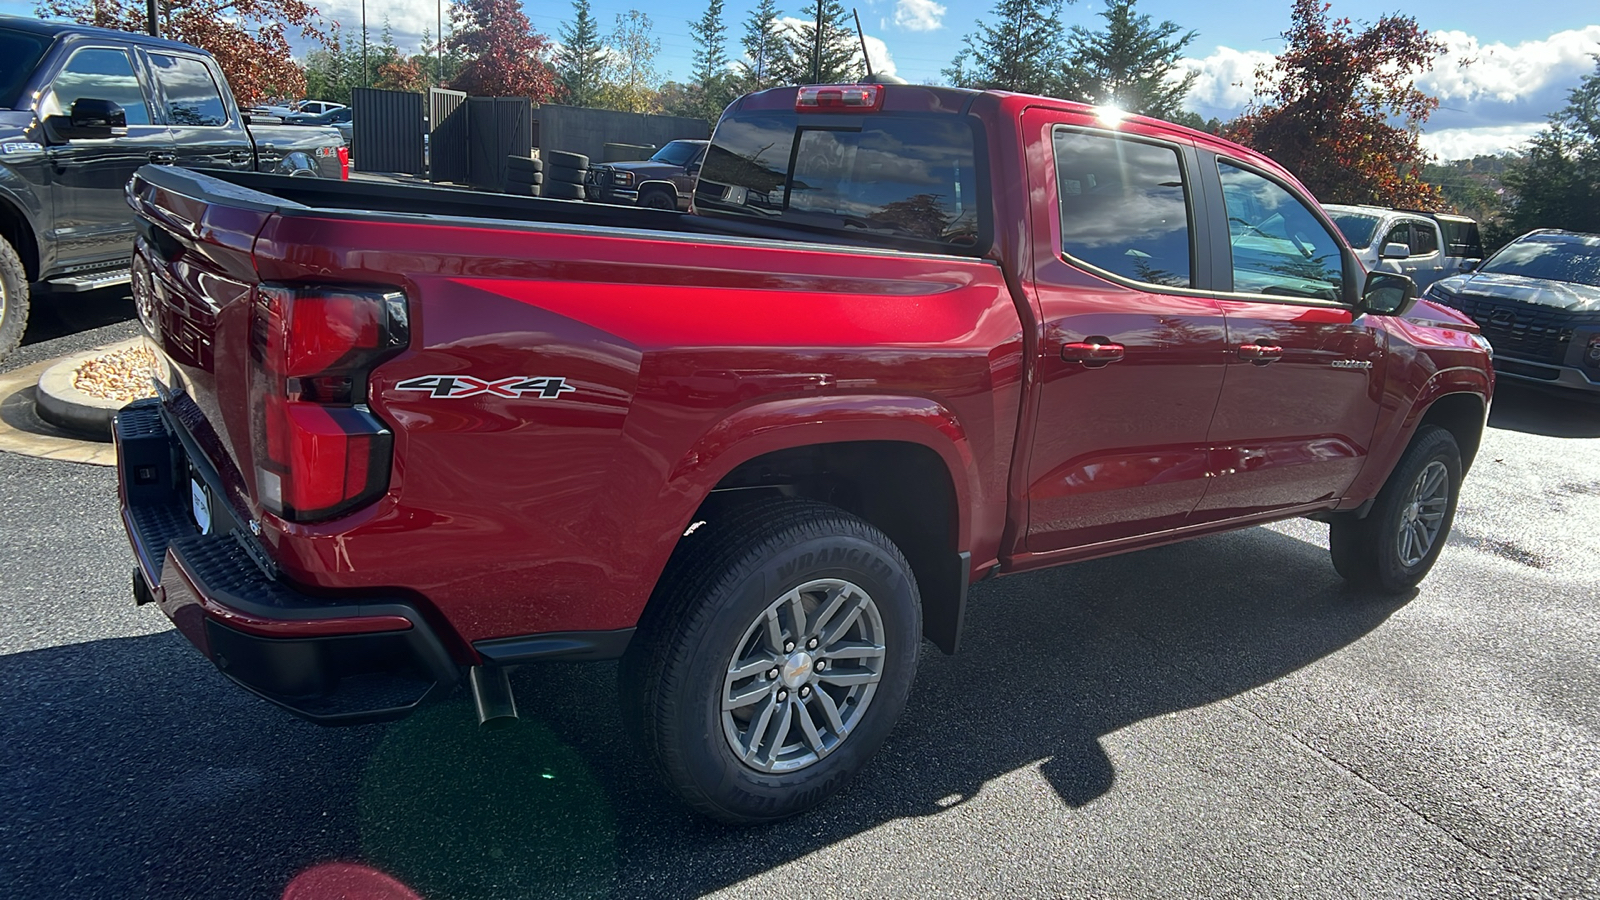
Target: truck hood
[[1566, 295], [644, 168]]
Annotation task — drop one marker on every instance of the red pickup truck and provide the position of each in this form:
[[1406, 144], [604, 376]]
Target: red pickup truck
[[909, 338]]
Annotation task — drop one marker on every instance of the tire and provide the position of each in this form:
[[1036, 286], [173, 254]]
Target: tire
[[1374, 553], [709, 617], [524, 164], [569, 176], [659, 199], [560, 190], [13, 299], [566, 160]]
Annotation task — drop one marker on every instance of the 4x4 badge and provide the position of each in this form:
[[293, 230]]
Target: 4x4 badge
[[457, 387]]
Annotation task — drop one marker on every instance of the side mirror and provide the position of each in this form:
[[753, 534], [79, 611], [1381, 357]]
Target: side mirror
[[1470, 265], [89, 118], [1395, 251], [1388, 294], [692, 169]]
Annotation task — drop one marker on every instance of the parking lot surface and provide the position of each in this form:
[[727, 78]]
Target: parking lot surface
[[1220, 718]]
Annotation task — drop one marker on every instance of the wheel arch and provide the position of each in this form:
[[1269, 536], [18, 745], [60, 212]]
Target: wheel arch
[[901, 464], [1463, 414], [17, 228]]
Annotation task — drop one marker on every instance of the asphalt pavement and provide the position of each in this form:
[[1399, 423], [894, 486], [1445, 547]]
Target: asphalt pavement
[[1220, 718]]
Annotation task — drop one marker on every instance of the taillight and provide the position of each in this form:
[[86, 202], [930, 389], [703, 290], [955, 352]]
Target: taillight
[[319, 451], [344, 163], [839, 98]]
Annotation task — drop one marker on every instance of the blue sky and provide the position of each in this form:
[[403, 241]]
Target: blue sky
[[1524, 62]]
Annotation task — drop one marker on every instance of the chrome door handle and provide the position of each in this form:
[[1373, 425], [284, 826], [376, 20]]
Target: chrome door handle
[[1092, 353], [163, 158], [1260, 354]]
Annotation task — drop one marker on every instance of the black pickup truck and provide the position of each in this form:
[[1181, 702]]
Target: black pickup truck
[[80, 109]]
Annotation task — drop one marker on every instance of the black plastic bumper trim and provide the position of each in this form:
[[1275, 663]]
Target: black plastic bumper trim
[[563, 645]]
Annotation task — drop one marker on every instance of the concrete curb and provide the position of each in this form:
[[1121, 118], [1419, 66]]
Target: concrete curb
[[22, 431], [61, 404]]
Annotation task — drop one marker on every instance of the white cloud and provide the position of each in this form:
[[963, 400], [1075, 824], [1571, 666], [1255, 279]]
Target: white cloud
[[1227, 80], [919, 15], [1508, 74], [407, 19], [1465, 143]]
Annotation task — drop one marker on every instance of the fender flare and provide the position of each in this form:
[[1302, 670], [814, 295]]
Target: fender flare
[[1440, 384], [14, 202], [763, 428]]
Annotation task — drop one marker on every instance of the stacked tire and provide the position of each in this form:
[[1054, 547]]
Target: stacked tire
[[565, 175], [524, 176]]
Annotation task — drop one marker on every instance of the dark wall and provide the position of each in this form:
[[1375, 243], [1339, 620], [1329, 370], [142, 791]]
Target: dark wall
[[386, 131], [576, 129]]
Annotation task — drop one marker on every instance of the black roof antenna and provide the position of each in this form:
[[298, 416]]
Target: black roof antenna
[[862, 35]]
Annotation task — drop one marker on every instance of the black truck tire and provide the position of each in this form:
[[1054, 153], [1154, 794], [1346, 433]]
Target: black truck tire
[[658, 198], [561, 190], [774, 660], [567, 160], [524, 164], [1392, 549], [13, 299], [567, 175]]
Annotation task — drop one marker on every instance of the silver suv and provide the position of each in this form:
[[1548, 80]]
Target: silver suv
[[1425, 246]]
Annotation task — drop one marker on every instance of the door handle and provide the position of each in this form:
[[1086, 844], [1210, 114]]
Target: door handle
[[1260, 354], [163, 158], [1092, 353], [239, 156]]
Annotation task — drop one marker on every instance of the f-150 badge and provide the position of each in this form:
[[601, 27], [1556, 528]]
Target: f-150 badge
[[457, 387]]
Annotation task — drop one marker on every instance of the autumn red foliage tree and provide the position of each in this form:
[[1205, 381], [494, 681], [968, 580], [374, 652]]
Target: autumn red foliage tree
[[505, 57], [249, 38], [1335, 95]]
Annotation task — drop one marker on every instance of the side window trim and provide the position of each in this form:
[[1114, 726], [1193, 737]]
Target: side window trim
[[1194, 207], [1211, 173]]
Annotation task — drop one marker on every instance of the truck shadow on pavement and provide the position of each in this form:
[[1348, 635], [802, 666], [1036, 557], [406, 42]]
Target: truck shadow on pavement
[[1565, 414], [133, 769]]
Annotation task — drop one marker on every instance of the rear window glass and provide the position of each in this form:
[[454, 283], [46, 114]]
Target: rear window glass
[[898, 176], [19, 56], [1462, 239], [1553, 257], [1356, 227]]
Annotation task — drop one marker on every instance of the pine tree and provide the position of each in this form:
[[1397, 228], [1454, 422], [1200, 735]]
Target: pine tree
[[1024, 51], [836, 58], [763, 47], [1558, 183], [582, 62], [1129, 64], [712, 89]]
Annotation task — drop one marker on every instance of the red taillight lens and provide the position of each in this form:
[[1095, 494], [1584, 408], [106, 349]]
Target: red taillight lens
[[344, 163], [319, 451], [839, 97]]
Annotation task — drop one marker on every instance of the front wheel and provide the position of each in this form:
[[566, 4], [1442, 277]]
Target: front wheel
[[775, 659], [13, 299], [659, 200], [1392, 549]]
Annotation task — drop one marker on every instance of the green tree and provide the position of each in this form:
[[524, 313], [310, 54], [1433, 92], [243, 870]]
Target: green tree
[[582, 61], [1025, 50], [633, 83], [836, 58], [763, 47], [1334, 94], [1131, 64], [712, 88], [1558, 183]]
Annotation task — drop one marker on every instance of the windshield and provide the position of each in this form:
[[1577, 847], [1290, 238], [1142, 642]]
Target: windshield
[[19, 56], [900, 176], [1357, 227], [1572, 258], [676, 153]]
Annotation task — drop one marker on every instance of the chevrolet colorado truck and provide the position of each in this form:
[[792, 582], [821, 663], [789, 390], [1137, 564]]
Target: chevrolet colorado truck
[[909, 338], [80, 109]]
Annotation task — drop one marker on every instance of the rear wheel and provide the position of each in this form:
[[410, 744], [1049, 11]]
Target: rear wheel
[[13, 299], [774, 661], [1392, 549]]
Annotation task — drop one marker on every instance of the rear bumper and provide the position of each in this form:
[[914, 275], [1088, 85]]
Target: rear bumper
[[334, 662]]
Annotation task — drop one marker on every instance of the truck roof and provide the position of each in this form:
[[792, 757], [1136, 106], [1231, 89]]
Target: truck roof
[[54, 30]]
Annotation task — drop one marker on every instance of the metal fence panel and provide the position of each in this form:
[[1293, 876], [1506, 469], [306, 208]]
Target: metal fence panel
[[387, 131], [447, 141], [497, 127]]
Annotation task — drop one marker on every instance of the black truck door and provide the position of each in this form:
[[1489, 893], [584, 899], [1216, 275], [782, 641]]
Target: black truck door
[[207, 132], [92, 225]]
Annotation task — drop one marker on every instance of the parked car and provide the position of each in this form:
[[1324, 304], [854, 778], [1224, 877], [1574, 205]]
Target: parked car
[[1424, 246], [664, 181], [339, 119], [910, 337], [1537, 300], [301, 108], [82, 108]]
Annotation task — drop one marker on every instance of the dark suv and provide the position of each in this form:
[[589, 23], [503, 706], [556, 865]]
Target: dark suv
[[664, 181], [1537, 300]]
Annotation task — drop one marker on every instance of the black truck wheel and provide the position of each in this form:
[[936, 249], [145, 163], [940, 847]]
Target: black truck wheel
[[13, 299], [658, 198], [1392, 549], [774, 659]]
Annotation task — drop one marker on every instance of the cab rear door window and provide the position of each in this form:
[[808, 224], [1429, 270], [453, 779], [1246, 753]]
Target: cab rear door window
[[1124, 207]]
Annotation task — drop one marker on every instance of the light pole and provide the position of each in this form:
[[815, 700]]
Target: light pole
[[364, 74]]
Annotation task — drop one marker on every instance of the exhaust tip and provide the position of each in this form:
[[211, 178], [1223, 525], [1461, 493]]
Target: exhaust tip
[[491, 696]]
